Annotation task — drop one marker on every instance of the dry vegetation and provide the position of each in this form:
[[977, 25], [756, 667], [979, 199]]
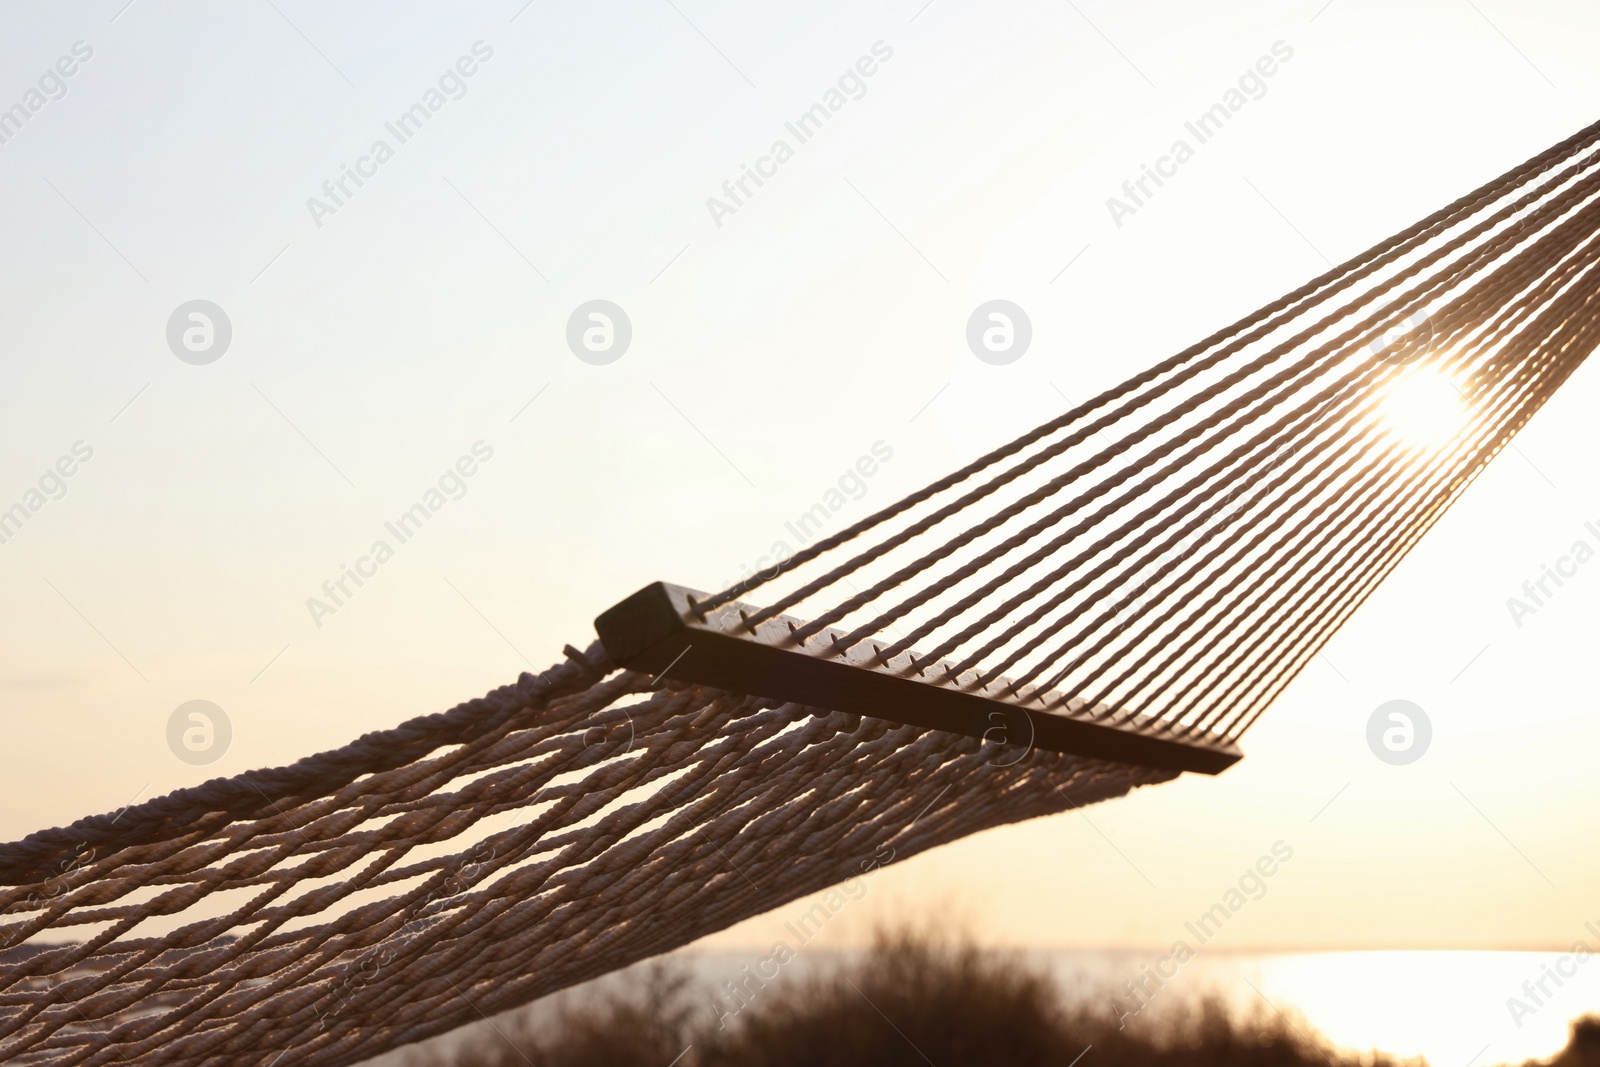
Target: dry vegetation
[[913, 1000]]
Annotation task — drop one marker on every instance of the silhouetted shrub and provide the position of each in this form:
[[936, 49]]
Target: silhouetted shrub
[[914, 999]]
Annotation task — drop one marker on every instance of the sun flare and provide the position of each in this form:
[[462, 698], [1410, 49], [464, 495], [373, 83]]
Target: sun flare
[[1423, 409]]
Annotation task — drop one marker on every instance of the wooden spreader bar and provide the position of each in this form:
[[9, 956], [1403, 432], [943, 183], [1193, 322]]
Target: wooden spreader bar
[[658, 631]]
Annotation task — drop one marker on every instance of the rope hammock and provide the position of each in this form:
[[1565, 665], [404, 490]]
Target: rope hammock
[[1110, 599]]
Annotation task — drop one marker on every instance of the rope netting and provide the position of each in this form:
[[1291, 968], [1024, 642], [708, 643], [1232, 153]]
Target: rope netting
[[1169, 555], [1171, 552], [467, 863]]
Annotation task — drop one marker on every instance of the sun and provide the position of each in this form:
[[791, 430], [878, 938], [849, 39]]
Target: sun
[[1423, 409]]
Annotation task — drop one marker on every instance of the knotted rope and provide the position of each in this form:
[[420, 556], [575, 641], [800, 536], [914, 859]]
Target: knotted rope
[[466, 863], [1174, 550]]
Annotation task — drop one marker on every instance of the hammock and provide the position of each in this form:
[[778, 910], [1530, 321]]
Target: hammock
[[1108, 601]]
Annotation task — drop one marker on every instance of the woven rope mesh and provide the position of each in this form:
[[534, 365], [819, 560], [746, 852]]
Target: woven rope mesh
[[1175, 549], [562, 828]]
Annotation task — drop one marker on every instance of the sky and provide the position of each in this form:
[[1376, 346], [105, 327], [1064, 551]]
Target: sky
[[409, 335]]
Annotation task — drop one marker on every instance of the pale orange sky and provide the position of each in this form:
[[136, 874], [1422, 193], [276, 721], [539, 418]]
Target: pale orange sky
[[374, 346]]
